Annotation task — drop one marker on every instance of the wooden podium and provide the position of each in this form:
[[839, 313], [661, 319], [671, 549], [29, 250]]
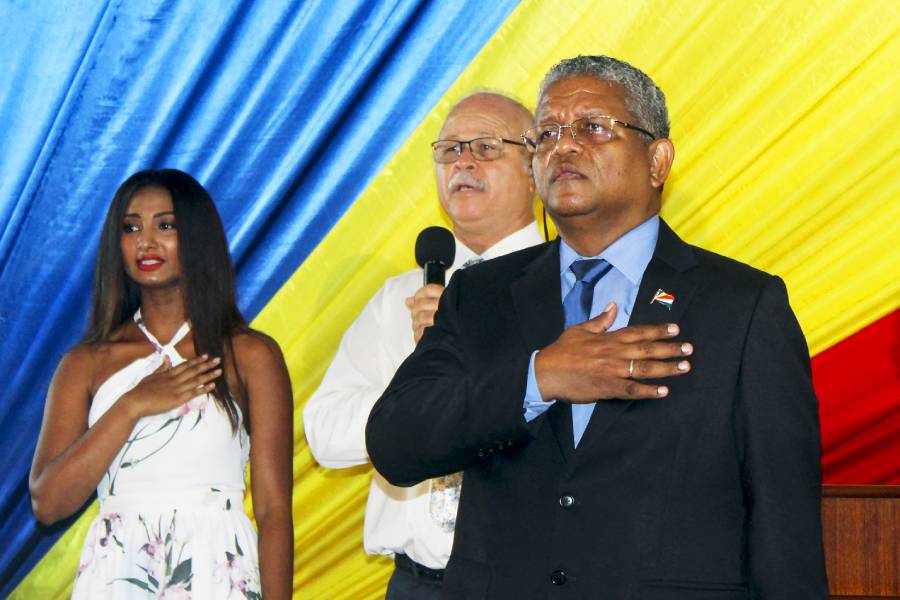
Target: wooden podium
[[861, 531]]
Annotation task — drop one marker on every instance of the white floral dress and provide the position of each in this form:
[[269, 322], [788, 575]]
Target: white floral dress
[[171, 522]]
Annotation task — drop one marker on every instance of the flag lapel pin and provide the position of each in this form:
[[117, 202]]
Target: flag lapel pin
[[664, 298]]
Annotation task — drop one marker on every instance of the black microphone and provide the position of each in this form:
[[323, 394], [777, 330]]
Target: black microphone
[[435, 251]]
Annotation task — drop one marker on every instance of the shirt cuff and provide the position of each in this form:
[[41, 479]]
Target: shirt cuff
[[533, 406]]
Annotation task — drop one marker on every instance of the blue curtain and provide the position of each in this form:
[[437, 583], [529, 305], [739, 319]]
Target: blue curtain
[[284, 110]]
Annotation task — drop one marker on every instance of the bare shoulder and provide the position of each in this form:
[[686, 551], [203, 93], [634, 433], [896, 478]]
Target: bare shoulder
[[256, 350], [265, 377], [82, 355], [258, 356], [79, 366], [125, 345]]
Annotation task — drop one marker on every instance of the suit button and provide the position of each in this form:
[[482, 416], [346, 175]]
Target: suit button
[[566, 501], [558, 577], [481, 454]]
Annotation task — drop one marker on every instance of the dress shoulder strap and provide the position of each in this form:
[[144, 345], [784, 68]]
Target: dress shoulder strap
[[169, 348]]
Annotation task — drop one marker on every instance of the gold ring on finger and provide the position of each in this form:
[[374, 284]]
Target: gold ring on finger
[[631, 368]]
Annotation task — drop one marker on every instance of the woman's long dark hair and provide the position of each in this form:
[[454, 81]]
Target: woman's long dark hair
[[207, 276]]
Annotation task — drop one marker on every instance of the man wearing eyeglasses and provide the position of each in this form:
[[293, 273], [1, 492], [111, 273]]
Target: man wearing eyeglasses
[[484, 184], [634, 415]]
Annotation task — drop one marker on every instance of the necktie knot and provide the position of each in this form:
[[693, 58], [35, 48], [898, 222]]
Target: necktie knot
[[577, 303], [590, 270]]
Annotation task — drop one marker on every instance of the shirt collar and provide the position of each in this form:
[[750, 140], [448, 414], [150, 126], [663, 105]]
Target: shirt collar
[[518, 240], [630, 254]]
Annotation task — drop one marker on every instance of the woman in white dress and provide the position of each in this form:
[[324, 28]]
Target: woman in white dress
[[160, 408]]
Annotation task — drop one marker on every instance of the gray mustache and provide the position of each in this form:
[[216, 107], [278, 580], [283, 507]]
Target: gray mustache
[[464, 179]]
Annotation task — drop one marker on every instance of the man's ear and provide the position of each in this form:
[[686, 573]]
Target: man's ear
[[662, 153]]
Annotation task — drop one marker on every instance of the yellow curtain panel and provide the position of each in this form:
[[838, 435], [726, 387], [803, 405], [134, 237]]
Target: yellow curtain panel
[[785, 122]]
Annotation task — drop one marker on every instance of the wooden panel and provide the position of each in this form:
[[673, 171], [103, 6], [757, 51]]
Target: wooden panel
[[861, 531]]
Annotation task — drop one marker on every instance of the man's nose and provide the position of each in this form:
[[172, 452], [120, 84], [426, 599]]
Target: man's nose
[[566, 142], [466, 159]]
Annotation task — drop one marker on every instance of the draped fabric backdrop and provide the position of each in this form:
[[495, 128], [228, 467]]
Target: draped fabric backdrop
[[309, 123]]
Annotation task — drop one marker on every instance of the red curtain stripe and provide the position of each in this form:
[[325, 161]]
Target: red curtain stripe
[[858, 384]]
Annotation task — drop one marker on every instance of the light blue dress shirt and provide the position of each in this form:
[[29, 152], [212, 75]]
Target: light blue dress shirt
[[629, 256]]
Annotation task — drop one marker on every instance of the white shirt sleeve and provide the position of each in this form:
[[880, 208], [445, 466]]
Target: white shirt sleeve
[[335, 416], [372, 349]]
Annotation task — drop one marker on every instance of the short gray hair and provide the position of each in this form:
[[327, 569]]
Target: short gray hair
[[642, 97]]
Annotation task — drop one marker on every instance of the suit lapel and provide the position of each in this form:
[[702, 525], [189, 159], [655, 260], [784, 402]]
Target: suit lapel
[[538, 306], [536, 299], [670, 270]]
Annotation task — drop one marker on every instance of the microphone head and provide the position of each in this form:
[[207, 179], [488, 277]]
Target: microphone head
[[435, 244]]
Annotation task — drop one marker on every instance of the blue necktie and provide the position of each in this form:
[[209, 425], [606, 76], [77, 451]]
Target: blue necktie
[[577, 309], [577, 303]]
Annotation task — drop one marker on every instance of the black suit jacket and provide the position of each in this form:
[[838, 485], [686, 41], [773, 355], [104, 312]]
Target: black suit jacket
[[709, 493]]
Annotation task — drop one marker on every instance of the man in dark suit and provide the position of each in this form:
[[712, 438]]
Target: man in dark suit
[[634, 415]]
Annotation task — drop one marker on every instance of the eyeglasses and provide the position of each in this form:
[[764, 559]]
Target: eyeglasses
[[589, 131], [485, 148]]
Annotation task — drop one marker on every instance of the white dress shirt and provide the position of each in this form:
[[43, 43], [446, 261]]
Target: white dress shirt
[[334, 418]]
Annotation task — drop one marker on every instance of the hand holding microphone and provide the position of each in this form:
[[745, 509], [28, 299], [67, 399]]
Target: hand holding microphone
[[435, 251]]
